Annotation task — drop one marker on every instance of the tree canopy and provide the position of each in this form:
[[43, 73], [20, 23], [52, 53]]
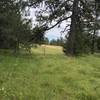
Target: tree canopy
[[82, 14], [81, 17], [15, 30]]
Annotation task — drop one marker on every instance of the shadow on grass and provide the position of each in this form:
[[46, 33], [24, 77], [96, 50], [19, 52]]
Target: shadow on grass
[[84, 96]]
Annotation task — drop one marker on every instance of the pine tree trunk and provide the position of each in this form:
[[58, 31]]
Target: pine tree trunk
[[95, 28], [93, 42], [73, 28]]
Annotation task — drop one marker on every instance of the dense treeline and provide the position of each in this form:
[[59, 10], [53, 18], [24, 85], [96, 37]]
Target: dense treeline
[[57, 42]]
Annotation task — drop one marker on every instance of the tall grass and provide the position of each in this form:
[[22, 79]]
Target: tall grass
[[50, 77]]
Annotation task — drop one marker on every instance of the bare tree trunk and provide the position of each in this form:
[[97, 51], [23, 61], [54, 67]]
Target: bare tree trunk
[[93, 40], [73, 29], [16, 48], [95, 28]]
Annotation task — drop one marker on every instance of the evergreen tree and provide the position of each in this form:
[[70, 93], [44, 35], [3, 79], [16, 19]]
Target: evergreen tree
[[14, 30]]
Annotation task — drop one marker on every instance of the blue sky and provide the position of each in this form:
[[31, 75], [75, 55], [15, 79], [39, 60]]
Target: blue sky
[[53, 33]]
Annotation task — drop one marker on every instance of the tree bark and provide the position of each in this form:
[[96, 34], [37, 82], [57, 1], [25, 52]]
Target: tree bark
[[95, 28], [73, 29]]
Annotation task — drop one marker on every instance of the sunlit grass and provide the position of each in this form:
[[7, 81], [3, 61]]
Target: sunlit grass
[[50, 77], [47, 49]]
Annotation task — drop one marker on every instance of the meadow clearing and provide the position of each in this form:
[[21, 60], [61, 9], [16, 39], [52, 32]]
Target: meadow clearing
[[50, 77]]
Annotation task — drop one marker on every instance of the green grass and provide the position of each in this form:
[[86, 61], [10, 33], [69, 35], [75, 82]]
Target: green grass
[[50, 77]]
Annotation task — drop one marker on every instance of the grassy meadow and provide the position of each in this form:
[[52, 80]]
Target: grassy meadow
[[50, 77]]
